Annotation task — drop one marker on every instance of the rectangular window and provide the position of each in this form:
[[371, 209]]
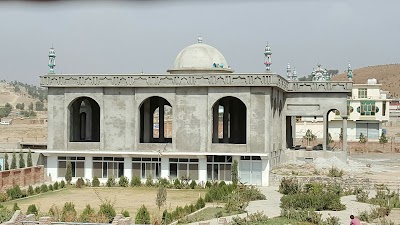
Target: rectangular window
[[219, 167], [368, 108], [145, 167], [105, 167], [184, 168], [77, 166], [383, 108], [362, 93]]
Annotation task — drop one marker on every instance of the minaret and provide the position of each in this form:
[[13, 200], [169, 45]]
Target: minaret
[[200, 39], [52, 60], [267, 58], [294, 74], [289, 72], [349, 72]]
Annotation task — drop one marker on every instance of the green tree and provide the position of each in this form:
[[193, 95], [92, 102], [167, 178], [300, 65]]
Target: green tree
[[30, 107], [6, 166], [330, 139], [383, 139], [341, 135], [142, 216], [68, 173], [14, 161], [29, 159], [161, 197], [362, 138], [21, 160], [235, 173], [39, 106]]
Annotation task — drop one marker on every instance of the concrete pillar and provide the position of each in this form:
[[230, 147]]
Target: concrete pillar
[[215, 122], [161, 129], [164, 167], [265, 171], [226, 121], [88, 170], [75, 122], [344, 142], [293, 124], [203, 170], [325, 132], [147, 117], [128, 167]]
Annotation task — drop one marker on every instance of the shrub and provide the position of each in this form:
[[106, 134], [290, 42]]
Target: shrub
[[123, 181], [44, 188], [95, 182], [166, 217], [325, 201], [80, 182], [332, 220], [32, 209], [14, 192], [15, 207], [6, 166], [37, 190], [5, 214], [107, 209], [21, 160], [29, 159], [125, 213], [254, 218], [111, 182], [208, 184], [149, 181], [289, 186], [62, 184], [362, 196], [235, 173], [55, 186], [335, 172], [177, 184], [142, 216], [87, 214], [51, 188], [163, 182], [200, 203], [193, 184], [55, 212], [30, 190], [136, 182], [68, 173], [69, 212], [161, 197], [302, 215]]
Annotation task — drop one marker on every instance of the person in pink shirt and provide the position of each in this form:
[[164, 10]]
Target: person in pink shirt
[[354, 221]]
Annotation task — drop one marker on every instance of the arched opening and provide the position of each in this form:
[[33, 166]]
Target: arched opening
[[229, 121], [155, 121], [84, 120]]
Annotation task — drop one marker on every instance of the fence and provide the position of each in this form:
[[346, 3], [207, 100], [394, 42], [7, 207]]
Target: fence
[[21, 177]]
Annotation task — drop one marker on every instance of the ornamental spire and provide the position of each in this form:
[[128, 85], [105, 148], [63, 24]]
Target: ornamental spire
[[52, 60], [289, 72], [267, 58], [200, 39], [349, 72]]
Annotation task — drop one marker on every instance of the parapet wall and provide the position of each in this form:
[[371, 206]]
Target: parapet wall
[[21, 177]]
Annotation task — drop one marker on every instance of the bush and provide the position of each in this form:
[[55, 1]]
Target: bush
[[55, 212], [142, 216], [80, 182], [21, 160], [123, 181], [149, 181], [55, 186], [335, 172], [68, 173], [208, 184], [255, 218], [30, 190], [325, 201], [69, 212], [289, 186], [95, 182], [44, 188], [200, 203], [163, 182], [111, 182], [15, 207], [37, 190], [125, 213], [107, 209], [302, 215], [87, 214], [14, 192], [136, 182], [32, 209], [62, 184], [193, 184], [5, 214], [51, 188], [362, 196], [166, 217]]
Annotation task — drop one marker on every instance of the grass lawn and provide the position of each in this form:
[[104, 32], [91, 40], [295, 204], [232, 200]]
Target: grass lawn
[[128, 198], [283, 221], [207, 214]]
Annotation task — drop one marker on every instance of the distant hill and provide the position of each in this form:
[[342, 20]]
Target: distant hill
[[387, 75]]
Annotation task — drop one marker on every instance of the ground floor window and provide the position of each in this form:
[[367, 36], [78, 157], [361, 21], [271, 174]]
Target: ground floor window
[[184, 168], [104, 167], [146, 167], [219, 167], [77, 165]]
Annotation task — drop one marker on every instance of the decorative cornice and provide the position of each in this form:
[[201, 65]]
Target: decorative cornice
[[191, 80]]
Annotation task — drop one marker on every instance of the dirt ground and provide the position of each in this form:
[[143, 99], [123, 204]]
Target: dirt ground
[[129, 199]]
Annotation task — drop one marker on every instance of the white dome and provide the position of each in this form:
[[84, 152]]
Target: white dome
[[200, 58]]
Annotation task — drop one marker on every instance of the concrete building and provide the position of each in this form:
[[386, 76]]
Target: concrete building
[[104, 124]]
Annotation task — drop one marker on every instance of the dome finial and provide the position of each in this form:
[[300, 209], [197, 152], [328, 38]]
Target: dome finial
[[52, 60], [200, 39]]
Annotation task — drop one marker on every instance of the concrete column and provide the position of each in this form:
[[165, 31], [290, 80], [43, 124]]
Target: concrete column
[[293, 124], [344, 142], [128, 167], [88, 170], [203, 170], [161, 134], [215, 122], [265, 171], [164, 167], [75, 117], [226, 121], [147, 121], [325, 132]]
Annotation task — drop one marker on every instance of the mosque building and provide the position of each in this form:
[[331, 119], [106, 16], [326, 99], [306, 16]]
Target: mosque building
[[192, 122]]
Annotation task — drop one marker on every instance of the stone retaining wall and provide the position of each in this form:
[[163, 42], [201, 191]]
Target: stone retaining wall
[[21, 177]]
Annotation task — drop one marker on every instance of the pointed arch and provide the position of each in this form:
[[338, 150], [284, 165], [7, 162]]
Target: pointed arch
[[84, 120]]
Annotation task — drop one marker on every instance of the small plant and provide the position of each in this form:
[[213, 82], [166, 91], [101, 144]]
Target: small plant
[[235, 173], [111, 182], [56, 186], [289, 186], [330, 139], [95, 182], [362, 196], [80, 183], [13, 161], [309, 136], [193, 184], [136, 182], [37, 190], [15, 207], [149, 181], [62, 184], [51, 188], [177, 184], [335, 172], [29, 159], [142, 216], [123, 181], [6, 166], [21, 160], [161, 197], [362, 138], [87, 214], [125, 213], [32, 209], [68, 212], [30, 190], [68, 173], [14, 192], [107, 209], [163, 182], [44, 188]]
